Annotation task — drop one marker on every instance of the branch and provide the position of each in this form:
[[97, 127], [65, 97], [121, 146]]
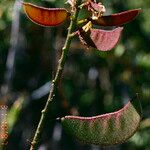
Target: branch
[[57, 78]]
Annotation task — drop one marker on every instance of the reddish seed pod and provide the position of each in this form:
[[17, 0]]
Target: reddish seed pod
[[108, 129], [45, 16], [102, 40], [116, 19]]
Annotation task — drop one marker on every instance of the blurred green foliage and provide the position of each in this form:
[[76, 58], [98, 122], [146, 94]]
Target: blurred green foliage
[[93, 82]]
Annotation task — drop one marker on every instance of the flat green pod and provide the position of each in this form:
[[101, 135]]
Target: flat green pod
[[106, 129]]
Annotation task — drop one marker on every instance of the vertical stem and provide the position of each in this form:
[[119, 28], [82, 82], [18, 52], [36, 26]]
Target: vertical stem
[[57, 78]]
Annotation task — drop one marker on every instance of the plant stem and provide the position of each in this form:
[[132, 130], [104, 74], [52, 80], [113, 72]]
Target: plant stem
[[57, 78]]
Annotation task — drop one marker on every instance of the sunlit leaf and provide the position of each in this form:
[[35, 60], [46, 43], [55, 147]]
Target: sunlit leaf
[[117, 19], [45, 16], [107, 129], [101, 39]]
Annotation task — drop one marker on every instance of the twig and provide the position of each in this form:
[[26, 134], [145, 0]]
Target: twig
[[57, 78]]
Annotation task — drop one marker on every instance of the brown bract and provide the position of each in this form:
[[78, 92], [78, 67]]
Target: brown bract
[[97, 9], [45, 16]]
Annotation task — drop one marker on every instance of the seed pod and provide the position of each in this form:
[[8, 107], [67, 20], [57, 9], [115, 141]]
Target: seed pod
[[107, 129], [102, 40], [45, 16], [116, 19]]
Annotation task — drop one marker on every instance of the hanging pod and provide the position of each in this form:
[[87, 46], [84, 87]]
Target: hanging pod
[[107, 129], [116, 19], [103, 40], [45, 16]]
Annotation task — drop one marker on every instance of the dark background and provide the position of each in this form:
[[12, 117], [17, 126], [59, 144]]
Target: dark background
[[93, 82]]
